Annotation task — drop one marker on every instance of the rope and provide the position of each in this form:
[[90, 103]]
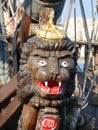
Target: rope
[[3, 3], [89, 45], [10, 19], [75, 19], [68, 15], [92, 83]]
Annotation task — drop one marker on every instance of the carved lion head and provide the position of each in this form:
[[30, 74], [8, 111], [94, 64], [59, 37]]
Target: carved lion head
[[49, 67]]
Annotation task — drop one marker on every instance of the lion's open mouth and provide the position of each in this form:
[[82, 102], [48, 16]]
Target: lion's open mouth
[[51, 87]]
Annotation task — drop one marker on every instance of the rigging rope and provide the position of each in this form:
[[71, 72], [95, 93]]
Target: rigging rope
[[68, 15], [75, 20], [2, 4], [89, 45]]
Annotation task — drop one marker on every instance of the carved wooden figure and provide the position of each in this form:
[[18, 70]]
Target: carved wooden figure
[[46, 74], [46, 78], [46, 82]]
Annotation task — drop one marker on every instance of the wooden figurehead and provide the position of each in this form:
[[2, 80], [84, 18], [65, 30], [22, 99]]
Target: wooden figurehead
[[46, 75], [46, 81]]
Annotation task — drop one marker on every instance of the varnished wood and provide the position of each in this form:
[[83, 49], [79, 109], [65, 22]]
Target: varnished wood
[[9, 89], [9, 111], [24, 29], [29, 117]]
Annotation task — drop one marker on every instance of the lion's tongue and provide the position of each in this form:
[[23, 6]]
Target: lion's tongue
[[50, 87]]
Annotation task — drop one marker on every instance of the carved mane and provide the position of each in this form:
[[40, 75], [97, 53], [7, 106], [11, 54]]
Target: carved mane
[[37, 43]]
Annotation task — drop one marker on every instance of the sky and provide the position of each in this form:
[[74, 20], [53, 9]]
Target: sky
[[87, 8]]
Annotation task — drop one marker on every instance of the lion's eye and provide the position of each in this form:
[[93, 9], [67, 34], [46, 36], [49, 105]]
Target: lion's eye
[[42, 63], [65, 64]]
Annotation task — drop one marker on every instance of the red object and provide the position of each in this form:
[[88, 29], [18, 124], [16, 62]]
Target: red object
[[48, 123]]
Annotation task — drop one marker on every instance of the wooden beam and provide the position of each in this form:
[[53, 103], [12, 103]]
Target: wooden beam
[[9, 111], [9, 89], [94, 44]]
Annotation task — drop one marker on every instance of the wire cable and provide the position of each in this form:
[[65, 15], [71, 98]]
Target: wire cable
[[89, 45]]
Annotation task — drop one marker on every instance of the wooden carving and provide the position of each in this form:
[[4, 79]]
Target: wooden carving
[[46, 82]]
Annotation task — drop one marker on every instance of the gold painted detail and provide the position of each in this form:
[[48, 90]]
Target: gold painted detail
[[46, 29]]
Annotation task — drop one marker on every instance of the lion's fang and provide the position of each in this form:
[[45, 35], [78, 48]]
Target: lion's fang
[[46, 83], [60, 84]]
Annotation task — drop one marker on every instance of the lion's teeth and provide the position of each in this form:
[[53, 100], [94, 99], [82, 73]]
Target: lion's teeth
[[48, 90], [60, 84], [46, 83]]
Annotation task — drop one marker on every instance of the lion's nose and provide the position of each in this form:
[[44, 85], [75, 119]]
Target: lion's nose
[[53, 66]]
